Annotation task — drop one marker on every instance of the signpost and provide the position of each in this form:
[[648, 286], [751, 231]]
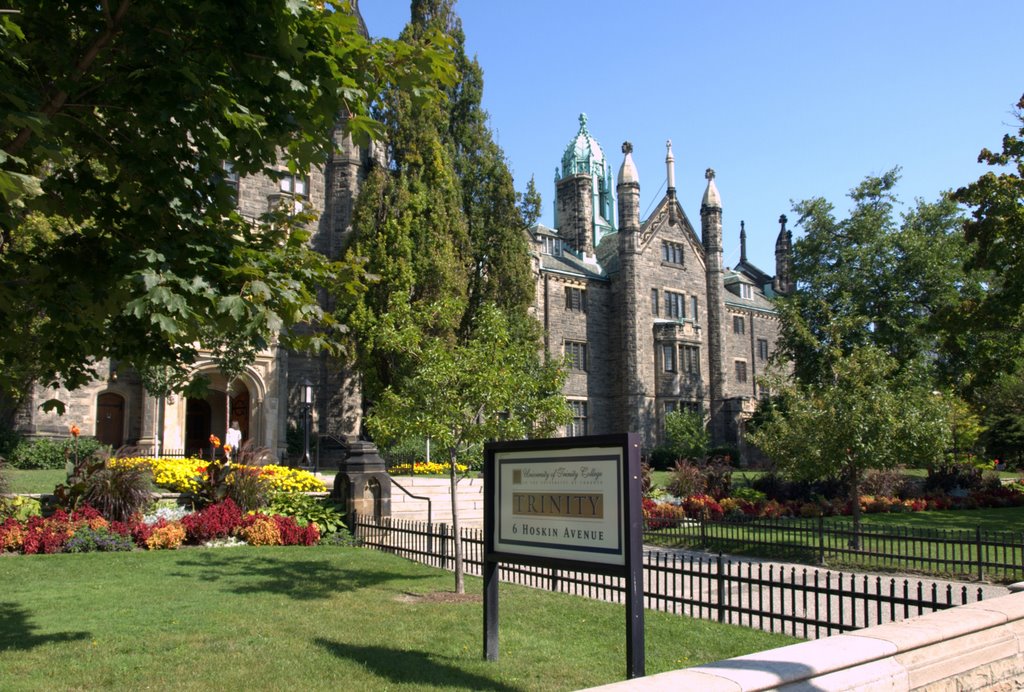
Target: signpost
[[567, 503]]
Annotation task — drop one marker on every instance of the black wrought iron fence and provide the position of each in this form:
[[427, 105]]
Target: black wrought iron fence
[[804, 602], [970, 553]]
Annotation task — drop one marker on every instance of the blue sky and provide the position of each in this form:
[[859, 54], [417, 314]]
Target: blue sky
[[785, 100]]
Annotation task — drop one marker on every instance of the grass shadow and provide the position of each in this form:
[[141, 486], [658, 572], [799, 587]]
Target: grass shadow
[[411, 667], [16, 631], [302, 580]]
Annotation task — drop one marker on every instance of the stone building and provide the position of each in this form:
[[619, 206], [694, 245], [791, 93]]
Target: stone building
[[265, 398], [647, 314]]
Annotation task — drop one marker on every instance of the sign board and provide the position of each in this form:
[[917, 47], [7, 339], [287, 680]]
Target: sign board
[[569, 503], [560, 503]]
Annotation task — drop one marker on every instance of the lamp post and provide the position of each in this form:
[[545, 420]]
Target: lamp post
[[306, 394]]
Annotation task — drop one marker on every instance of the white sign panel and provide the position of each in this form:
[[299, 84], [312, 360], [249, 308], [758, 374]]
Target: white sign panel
[[561, 504]]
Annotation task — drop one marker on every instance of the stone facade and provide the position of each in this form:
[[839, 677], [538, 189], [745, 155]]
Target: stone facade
[[650, 317], [117, 409], [648, 314]]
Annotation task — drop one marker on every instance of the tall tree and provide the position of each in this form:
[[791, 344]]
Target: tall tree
[[490, 386], [994, 327], [119, 234], [439, 224], [866, 416], [874, 280]]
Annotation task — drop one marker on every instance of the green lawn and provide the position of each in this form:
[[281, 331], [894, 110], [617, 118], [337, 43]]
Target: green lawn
[[799, 541], [35, 481], [311, 618]]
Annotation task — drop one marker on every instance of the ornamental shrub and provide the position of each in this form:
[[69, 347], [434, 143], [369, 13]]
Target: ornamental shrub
[[86, 540], [12, 535], [887, 482], [259, 529], [404, 452], [165, 535], [702, 507], [686, 480], [308, 510], [216, 521], [119, 492], [51, 453], [293, 534]]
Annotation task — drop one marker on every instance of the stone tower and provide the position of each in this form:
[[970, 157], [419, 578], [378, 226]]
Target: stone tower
[[711, 236], [633, 390], [583, 196], [783, 282]]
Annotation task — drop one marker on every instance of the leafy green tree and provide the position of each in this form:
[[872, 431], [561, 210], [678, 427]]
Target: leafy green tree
[[1003, 416], [686, 434], [438, 225], [864, 418], [873, 279], [492, 386], [119, 234], [993, 328]]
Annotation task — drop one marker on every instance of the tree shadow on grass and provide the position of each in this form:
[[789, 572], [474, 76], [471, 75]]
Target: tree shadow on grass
[[411, 667], [300, 579], [16, 631]]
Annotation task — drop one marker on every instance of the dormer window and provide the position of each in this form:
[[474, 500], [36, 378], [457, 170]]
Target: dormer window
[[552, 245], [746, 291]]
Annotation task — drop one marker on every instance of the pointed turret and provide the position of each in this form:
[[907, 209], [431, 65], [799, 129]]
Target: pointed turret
[[783, 282], [583, 193], [628, 191], [711, 235], [633, 401], [670, 166]]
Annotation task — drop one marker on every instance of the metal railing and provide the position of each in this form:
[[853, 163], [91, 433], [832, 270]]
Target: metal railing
[[970, 553], [801, 601]]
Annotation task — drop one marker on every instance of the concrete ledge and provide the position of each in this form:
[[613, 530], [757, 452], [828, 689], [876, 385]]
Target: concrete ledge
[[973, 647]]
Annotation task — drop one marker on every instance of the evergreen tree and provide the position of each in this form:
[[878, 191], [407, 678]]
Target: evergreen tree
[[438, 225]]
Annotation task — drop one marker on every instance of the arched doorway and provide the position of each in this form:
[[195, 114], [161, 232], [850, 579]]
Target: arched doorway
[[198, 415], [239, 407], [110, 419]]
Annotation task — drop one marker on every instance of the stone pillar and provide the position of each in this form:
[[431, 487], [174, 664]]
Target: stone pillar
[[363, 483], [634, 394], [711, 232]]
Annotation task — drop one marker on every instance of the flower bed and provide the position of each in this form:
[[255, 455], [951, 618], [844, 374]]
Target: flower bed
[[667, 513], [424, 468], [184, 475], [85, 530]]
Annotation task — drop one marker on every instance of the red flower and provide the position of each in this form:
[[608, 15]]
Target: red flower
[[75, 431]]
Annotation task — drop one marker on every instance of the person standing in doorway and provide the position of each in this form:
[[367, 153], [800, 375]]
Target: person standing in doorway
[[233, 439]]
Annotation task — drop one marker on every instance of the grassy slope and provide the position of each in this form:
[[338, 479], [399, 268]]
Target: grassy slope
[[310, 618]]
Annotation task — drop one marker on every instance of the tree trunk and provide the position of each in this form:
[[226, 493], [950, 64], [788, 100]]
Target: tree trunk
[[460, 577], [854, 482]]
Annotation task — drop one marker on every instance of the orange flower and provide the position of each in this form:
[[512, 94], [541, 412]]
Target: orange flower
[[76, 431], [214, 440], [227, 449]]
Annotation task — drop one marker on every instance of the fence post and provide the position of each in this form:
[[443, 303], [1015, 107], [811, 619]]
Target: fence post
[[821, 540], [444, 546], [977, 543], [720, 579], [703, 533]]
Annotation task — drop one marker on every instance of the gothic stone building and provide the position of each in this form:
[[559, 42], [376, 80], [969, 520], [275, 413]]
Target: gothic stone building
[[265, 398], [649, 316]]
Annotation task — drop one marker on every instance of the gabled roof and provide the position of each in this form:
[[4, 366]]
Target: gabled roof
[[753, 273]]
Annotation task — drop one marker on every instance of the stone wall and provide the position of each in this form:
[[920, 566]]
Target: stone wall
[[979, 646]]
